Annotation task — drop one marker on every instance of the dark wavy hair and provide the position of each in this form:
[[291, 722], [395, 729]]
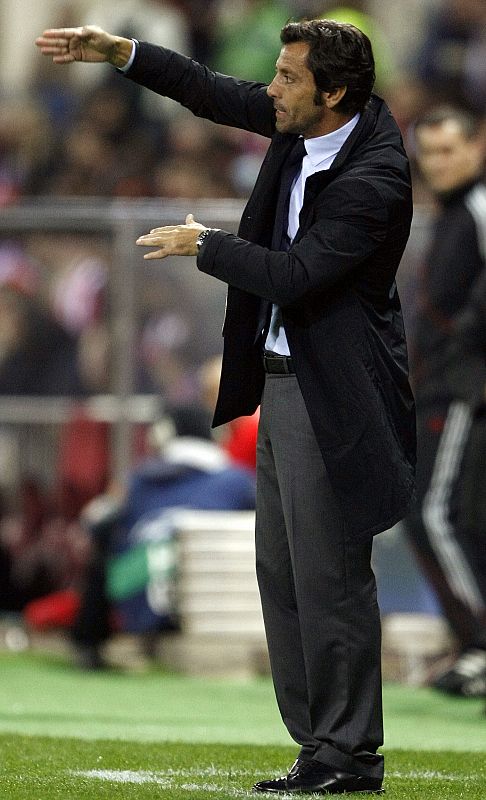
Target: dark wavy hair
[[339, 55]]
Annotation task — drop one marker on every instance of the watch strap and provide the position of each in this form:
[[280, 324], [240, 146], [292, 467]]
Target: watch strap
[[202, 237]]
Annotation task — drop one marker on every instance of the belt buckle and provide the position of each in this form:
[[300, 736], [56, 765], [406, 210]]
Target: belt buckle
[[277, 364]]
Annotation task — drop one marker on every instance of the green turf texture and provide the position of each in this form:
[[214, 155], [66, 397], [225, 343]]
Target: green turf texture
[[34, 768], [67, 734]]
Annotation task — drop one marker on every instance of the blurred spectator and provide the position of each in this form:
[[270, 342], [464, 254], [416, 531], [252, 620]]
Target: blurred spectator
[[193, 146], [171, 337], [79, 294], [83, 165], [408, 99], [187, 470], [450, 153], [17, 270], [109, 148], [467, 378], [452, 59], [177, 176], [201, 18], [11, 598], [41, 552], [43, 549], [37, 356], [75, 289], [24, 147], [48, 306]]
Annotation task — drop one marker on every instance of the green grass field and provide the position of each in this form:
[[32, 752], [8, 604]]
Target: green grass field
[[66, 734]]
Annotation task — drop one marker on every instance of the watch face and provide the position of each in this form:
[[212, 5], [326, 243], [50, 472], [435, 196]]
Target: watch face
[[200, 239]]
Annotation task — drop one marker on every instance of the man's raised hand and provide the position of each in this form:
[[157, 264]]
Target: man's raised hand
[[172, 240], [89, 43]]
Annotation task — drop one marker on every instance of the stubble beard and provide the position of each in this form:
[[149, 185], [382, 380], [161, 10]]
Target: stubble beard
[[302, 126]]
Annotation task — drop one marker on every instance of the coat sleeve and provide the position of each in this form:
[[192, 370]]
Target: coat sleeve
[[219, 98], [349, 225]]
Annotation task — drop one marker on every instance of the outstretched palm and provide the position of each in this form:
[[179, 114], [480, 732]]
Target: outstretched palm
[[66, 45]]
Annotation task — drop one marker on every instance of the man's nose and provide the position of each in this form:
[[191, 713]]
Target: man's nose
[[271, 89]]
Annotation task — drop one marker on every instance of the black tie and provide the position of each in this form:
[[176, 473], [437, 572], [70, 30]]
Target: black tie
[[280, 239], [290, 170]]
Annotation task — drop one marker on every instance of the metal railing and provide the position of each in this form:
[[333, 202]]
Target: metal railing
[[121, 222]]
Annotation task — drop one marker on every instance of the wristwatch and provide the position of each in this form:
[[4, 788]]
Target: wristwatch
[[202, 237]]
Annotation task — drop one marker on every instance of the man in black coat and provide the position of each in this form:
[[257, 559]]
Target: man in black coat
[[447, 384], [313, 332]]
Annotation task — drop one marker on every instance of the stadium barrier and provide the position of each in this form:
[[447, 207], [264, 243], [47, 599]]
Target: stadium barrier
[[222, 626], [34, 421]]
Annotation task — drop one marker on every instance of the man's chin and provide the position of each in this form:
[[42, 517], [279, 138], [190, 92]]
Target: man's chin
[[284, 126]]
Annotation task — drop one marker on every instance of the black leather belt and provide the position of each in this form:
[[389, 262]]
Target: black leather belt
[[278, 365]]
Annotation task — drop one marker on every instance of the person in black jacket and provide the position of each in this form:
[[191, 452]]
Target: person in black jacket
[[313, 331], [450, 155]]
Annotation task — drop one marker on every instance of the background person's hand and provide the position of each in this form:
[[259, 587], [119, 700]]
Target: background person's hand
[[89, 43], [173, 240]]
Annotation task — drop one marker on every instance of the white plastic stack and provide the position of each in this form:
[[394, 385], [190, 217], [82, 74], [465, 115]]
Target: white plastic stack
[[217, 596]]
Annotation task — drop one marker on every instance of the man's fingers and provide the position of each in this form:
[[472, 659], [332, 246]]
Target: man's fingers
[[56, 42], [149, 239], [155, 254], [154, 240], [52, 46], [60, 54], [172, 240], [162, 230], [63, 59], [57, 37], [61, 33], [48, 47], [54, 51]]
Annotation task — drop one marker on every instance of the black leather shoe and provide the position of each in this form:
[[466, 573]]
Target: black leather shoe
[[313, 777]]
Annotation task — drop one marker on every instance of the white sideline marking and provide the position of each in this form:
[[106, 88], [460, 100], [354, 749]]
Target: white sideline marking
[[122, 776], [166, 777], [212, 771], [163, 779], [430, 774]]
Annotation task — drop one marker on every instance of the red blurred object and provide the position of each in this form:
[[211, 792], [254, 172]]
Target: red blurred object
[[56, 610], [84, 462], [436, 423], [241, 438]]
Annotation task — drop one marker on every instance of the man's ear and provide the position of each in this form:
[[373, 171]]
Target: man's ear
[[331, 99]]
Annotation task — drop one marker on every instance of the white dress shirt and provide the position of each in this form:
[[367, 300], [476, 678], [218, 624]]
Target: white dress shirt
[[321, 152], [132, 57]]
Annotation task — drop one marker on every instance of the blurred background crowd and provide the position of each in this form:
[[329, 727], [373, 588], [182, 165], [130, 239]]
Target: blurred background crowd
[[70, 135], [78, 132]]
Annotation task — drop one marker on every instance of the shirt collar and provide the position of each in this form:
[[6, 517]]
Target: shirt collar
[[321, 148]]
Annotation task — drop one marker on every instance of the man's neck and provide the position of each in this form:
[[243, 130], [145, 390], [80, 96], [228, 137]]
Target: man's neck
[[332, 122]]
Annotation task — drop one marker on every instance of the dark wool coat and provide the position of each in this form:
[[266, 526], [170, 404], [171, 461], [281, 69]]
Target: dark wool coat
[[336, 287], [455, 261]]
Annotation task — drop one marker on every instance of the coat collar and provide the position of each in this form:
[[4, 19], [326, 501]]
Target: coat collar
[[283, 143]]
